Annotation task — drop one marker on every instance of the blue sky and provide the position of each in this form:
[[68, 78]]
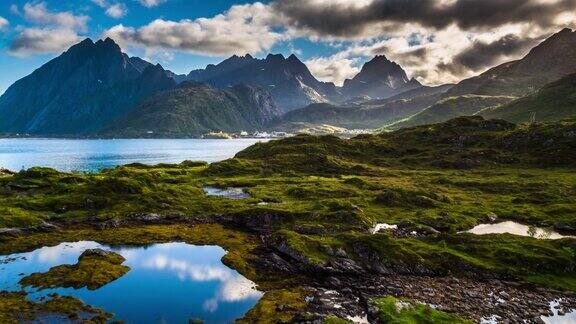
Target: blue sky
[[436, 42], [14, 67]]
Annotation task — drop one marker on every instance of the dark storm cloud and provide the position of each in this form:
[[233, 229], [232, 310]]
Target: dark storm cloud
[[338, 19], [481, 55]]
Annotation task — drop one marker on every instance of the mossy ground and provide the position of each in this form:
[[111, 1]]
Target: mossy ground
[[15, 308], [91, 271], [277, 306], [395, 311], [328, 192]]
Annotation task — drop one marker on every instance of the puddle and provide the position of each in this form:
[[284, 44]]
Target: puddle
[[516, 229], [568, 318], [381, 227], [230, 193], [358, 319], [167, 283]]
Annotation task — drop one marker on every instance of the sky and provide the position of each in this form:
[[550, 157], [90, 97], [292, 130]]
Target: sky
[[435, 41]]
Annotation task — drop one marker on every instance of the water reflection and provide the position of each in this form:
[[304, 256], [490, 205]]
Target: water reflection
[[171, 283], [230, 193], [516, 229]]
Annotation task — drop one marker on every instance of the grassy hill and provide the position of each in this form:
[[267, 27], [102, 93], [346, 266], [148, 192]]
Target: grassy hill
[[553, 102], [461, 143], [193, 109], [371, 114], [449, 108]]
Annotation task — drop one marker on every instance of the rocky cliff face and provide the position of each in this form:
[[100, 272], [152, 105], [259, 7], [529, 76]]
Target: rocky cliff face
[[80, 92], [287, 79]]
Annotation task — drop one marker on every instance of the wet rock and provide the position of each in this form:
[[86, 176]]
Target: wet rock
[[275, 262], [10, 232], [146, 217], [46, 227], [565, 228], [335, 282], [491, 217], [345, 266], [472, 293], [341, 253], [504, 295]]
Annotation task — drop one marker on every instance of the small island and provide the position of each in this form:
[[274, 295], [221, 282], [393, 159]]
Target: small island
[[95, 269]]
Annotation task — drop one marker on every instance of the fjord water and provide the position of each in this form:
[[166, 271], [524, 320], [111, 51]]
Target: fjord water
[[94, 155], [167, 283]]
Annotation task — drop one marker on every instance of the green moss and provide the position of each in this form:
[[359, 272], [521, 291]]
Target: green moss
[[395, 311], [95, 269], [15, 308], [277, 306]]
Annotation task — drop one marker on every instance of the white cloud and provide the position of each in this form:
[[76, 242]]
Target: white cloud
[[39, 14], [242, 29], [150, 3], [42, 41], [52, 31], [117, 10], [101, 3], [60, 253], [14, 10], [237, 289], [333, 69], [3, 23]]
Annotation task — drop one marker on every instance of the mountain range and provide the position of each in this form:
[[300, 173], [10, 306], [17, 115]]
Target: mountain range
[[94, 89], [536, 87]]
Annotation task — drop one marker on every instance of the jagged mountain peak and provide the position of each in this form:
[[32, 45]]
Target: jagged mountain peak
[[278, 57], [288, 79], [80, 91], [293, 57], [379, 78]]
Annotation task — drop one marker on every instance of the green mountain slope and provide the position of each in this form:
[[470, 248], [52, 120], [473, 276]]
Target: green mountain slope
[[553, 102], [551, 60], [193, 109], [371, 114], [450, 108]]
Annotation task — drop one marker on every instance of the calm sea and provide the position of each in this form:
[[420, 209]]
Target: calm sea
[[94, 155]]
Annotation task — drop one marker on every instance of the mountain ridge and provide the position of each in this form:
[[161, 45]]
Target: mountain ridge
[[80, 91], [192, 109], [288, 79], [379, 78]]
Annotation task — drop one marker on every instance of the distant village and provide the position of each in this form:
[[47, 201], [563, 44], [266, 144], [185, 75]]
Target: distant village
[[279, 134]]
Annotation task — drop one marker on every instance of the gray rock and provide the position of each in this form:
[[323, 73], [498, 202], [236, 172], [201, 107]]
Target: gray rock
[[10, 232]]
